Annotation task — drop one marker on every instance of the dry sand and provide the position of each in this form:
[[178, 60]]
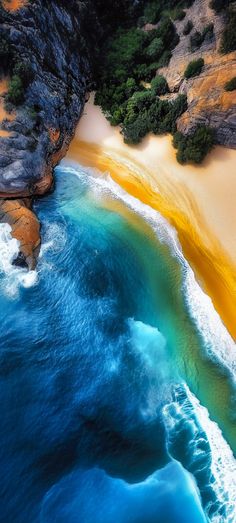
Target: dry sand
[[199, 201]]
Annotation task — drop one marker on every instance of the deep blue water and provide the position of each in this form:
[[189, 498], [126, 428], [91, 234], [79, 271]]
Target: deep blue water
[[85, 374]]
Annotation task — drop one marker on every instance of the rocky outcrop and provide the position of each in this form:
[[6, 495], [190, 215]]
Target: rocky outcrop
[[46, 35], [208, 102], [25, 228]]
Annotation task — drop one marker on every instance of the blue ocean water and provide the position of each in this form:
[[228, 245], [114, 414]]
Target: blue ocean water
[[97, 424]]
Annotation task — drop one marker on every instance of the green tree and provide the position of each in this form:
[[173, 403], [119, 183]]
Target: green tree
[[159, 85], [155, 48], [195, 147], [15, 93]]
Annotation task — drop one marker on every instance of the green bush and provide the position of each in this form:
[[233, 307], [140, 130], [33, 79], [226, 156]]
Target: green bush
[[24, 71], [5, 53], [178, 14], [231, 84], [15, 93], [194, 68], [188, 27], [155, 49], [135, 132], [167, 32], [195, 147], [208, 31], [228, 42], [218, 5], [196, 40], [159, 85]]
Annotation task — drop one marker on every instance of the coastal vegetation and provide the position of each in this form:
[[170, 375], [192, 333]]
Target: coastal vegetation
[[195, 147], [231, 84], [194, 68], [228, 42], [198, 38], [130, 91], [188, 27]]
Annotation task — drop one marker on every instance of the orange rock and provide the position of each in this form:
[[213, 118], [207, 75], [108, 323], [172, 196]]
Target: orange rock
[[14, 5], [25, 227], [54, 134]]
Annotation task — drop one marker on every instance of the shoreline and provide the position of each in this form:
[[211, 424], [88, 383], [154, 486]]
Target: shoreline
[[201, 210]]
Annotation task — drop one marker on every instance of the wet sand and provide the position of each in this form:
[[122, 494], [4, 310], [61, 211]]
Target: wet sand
[[199, 201]]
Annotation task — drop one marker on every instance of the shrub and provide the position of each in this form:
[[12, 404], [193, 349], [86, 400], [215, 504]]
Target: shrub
[[194, 68], [165, 58], [152, 12], [167, 32], [195, 147], [188, 27], [228, 42], [196, 40], [231, 84], [218, 5], [15, 93], [208, 32], [133, 133], [159, 85], [24, 71], [155, 48], [5, 53], [178, 14]]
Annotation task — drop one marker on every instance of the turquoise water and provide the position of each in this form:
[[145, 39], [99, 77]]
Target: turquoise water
[[98, 424]]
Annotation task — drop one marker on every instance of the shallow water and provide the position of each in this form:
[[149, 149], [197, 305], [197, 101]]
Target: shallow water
[[99, 352]]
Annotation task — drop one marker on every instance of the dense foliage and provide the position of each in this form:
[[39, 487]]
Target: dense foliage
[[131, 58], [188, 27], [218, 5], [194, 68], [228, 42], [5, 53], [231, 84], [195, 147], [154, 9]]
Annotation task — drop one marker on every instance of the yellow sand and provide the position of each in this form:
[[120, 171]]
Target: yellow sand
[[198, 201]]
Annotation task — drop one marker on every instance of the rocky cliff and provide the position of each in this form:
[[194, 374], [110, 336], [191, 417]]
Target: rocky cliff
[[208, 102], [49, 37], [45, 34]]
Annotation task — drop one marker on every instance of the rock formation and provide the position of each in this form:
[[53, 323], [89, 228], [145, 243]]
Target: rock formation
[[208, 102], [46, 35]]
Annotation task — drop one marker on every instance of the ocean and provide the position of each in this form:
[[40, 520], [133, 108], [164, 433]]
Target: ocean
[[117, 376]]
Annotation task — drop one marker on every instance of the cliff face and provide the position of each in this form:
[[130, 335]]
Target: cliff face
[[208, 102], [44, 34]]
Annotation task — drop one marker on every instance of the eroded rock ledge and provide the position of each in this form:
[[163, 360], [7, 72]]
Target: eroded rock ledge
[[45, 35]]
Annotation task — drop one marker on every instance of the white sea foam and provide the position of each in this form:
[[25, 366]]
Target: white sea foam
[[12, 277], [217, 341], [222, 477], [54, 238]]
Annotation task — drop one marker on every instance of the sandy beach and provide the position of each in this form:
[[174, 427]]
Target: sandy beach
[[199, 201]]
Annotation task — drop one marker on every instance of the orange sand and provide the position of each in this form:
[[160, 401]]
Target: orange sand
[[198, 201]]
